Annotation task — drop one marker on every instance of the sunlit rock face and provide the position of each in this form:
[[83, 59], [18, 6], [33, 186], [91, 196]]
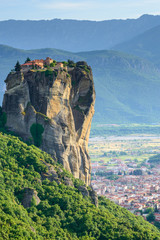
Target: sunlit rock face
[[62, 101]]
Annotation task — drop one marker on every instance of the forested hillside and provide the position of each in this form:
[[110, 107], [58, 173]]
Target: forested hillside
[[61, 211]]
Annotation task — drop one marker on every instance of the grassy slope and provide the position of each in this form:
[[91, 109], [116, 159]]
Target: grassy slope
[[62, 213], [127, 88]]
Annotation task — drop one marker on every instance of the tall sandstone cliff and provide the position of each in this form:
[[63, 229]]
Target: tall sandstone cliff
[[62, 101]]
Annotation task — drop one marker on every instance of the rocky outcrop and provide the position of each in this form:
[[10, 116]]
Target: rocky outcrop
[[94, 197], [83, 189], [62, 102], [51, 174], [89, 193], [57, 174], [30, 197]]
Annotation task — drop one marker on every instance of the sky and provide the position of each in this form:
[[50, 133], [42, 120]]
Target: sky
[[77, 9]]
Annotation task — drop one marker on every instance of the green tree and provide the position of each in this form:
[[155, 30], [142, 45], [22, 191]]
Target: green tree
[[149, 210], [3, 118], [53, 64], [27, 60], [151, 217], [17, 67], [65, 63], [71, 63], [37, 131], [156, 208]]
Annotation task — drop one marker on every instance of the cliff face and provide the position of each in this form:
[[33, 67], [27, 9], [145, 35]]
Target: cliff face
[[62, 101]]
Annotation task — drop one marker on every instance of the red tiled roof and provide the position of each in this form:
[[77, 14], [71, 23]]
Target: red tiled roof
[[37, 62], [27, 64], [31, 64]]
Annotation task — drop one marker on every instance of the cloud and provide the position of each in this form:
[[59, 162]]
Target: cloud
[[64, 5], [77, 9], [93, 4]]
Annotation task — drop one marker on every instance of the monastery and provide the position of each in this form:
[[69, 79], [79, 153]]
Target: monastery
[[39, 64]]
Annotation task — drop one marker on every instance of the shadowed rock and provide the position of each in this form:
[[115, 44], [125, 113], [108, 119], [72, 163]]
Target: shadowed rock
[[89, 193], [94, 197], [84, 191]]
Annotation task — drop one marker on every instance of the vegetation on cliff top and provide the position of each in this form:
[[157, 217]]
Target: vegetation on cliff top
[[63, 213]]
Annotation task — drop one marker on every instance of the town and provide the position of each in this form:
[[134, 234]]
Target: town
[[121, 172]]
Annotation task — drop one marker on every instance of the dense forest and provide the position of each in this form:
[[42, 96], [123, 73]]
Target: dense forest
[[62, 212]]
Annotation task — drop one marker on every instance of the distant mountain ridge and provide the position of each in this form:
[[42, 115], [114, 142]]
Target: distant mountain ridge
[[127, 87], [145, 45], [73, 35]]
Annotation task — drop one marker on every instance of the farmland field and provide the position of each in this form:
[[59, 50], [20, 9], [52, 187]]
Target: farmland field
[[124, 142]]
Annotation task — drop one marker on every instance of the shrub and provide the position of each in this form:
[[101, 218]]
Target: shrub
[[55, 73], [53, 64], [86, 69], [65, 63], [37, 131], [3, 118], [150, 217], [71, 63], [48, 72]]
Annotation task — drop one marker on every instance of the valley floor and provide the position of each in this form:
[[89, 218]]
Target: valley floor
[[121, 172]]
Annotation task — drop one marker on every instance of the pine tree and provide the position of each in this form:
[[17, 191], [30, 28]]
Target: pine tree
[[17, 67], [27, 60]]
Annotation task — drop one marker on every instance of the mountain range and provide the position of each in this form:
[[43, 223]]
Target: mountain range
[[73, 35], [145, 45], [127, 78]]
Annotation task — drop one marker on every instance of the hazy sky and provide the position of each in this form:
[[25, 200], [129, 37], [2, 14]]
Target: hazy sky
[[77, 9]]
